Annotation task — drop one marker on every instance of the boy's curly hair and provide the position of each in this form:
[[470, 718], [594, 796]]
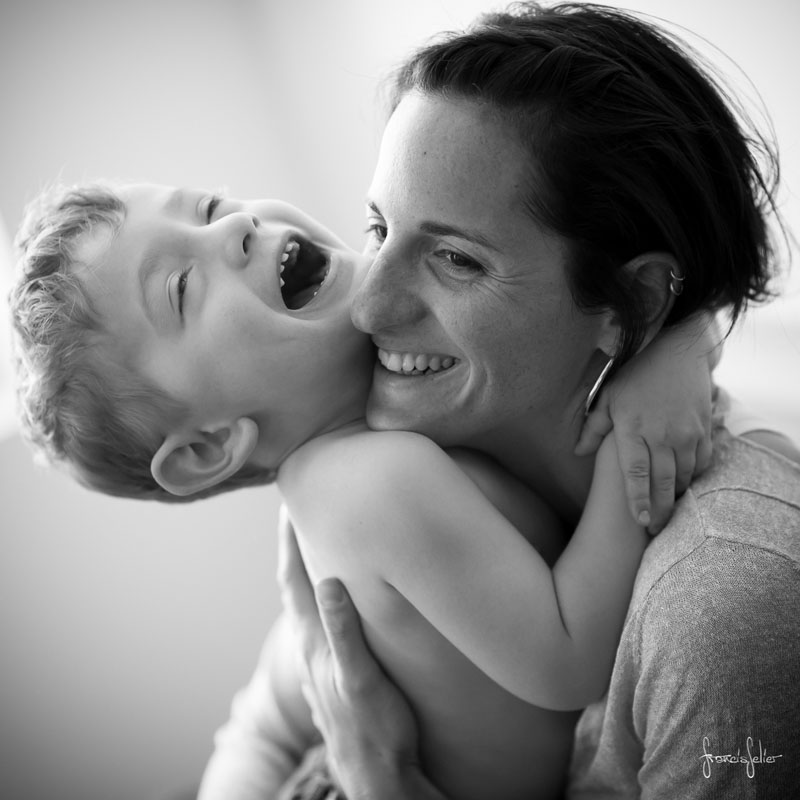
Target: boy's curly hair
[[80, 408]]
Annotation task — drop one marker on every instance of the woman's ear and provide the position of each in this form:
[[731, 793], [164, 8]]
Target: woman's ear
[[656, 278], [192, 462]]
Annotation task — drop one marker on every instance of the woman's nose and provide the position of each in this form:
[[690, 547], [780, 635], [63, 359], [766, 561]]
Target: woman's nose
[[389, 296]]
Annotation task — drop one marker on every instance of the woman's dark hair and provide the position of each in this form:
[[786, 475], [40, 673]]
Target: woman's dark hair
[[633, 146]]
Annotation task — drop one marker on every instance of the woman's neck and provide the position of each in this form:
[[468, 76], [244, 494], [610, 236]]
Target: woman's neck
[[542, 457]]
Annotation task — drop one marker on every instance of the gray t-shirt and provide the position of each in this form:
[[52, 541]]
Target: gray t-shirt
[[704, 699]]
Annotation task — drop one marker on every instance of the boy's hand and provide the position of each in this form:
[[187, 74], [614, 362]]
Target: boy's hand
[[659, 405], [366, 722], [658, 456]]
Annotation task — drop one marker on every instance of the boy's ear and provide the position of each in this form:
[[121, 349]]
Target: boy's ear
[[191, 462], [654, 277]]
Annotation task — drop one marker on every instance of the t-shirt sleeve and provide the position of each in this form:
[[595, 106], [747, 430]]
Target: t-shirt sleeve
[[262, 743], [717, 699]]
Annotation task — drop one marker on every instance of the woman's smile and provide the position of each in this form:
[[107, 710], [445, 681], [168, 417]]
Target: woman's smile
[[414, 364]]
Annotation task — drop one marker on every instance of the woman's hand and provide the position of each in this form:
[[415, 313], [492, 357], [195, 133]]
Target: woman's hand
[[659, 405], [368, 727]]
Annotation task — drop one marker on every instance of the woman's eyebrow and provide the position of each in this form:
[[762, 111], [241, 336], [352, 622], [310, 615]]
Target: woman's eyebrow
[[442, 229]]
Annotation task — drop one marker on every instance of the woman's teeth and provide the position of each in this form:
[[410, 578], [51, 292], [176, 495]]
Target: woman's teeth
[[414, 363]]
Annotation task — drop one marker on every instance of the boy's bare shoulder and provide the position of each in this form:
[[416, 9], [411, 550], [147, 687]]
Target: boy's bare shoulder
[[343, 488], [366, 477], [361, 460]]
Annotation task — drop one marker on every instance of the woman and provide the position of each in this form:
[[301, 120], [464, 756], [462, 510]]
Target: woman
[[623, 155]]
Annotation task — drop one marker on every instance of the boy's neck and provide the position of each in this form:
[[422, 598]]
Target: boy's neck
[[344, 414]]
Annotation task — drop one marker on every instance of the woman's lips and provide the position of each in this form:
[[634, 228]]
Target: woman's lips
[[408, 363]]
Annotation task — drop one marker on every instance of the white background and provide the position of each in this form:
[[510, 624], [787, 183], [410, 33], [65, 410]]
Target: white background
[[125, 628]]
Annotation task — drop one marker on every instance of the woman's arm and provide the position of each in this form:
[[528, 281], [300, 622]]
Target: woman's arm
[[413, 519], [659, 405], [269, 730]]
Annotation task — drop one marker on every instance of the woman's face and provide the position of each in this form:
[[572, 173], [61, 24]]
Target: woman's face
[[467, 298]]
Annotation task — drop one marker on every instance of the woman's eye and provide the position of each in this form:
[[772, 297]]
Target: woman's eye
[[459, 262], [377, 231], [183, 279]]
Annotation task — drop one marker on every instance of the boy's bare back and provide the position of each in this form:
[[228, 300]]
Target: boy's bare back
[[477, 740]]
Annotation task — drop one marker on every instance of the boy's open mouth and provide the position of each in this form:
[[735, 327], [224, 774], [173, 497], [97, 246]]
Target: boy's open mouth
[[303, 268]]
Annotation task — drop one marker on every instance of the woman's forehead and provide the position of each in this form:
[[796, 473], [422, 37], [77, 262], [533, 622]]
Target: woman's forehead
[[456, 133], [455, 163]]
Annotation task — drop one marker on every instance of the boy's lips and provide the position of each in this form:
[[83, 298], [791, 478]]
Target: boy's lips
[[303, 267]]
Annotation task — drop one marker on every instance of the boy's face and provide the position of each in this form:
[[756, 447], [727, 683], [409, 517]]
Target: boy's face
[[190, 290]]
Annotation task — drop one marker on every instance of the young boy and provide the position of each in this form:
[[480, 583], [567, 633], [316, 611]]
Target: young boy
[[173, 344]]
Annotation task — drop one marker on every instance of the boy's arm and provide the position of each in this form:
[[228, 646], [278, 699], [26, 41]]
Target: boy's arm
[[269, 729], [367, 724], [547, 636], [659, 405]]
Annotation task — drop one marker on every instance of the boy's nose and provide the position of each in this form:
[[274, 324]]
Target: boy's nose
[[236, 235]]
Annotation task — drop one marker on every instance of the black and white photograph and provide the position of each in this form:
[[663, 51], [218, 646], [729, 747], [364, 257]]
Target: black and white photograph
[[399, 400]]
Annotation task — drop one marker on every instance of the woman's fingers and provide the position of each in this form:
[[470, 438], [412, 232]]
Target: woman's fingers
[[355, 669], [297, 592]]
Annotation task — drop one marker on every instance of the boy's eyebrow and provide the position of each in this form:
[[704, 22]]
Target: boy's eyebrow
[[151, 259], [147, 267], [174, 201]]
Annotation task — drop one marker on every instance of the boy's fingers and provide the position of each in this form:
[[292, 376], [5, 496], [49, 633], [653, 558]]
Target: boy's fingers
[[704, 451], [662, 481], [685, 463], [353, 663], [634, 459], [595, 428]]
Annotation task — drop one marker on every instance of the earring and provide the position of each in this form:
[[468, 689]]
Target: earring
[[598, 384], [676, 283]]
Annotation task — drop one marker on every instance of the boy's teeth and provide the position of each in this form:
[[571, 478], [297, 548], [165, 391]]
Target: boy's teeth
[[291, 248], [414, 363]]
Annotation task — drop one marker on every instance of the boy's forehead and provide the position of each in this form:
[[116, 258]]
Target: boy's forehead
[[144, 197], [138, 190], [93, 244], [141, 201]]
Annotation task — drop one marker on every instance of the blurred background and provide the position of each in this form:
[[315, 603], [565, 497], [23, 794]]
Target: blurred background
[[126, 628]]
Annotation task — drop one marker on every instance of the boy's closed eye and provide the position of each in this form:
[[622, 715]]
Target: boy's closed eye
[[182, 282], [211, 203]]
